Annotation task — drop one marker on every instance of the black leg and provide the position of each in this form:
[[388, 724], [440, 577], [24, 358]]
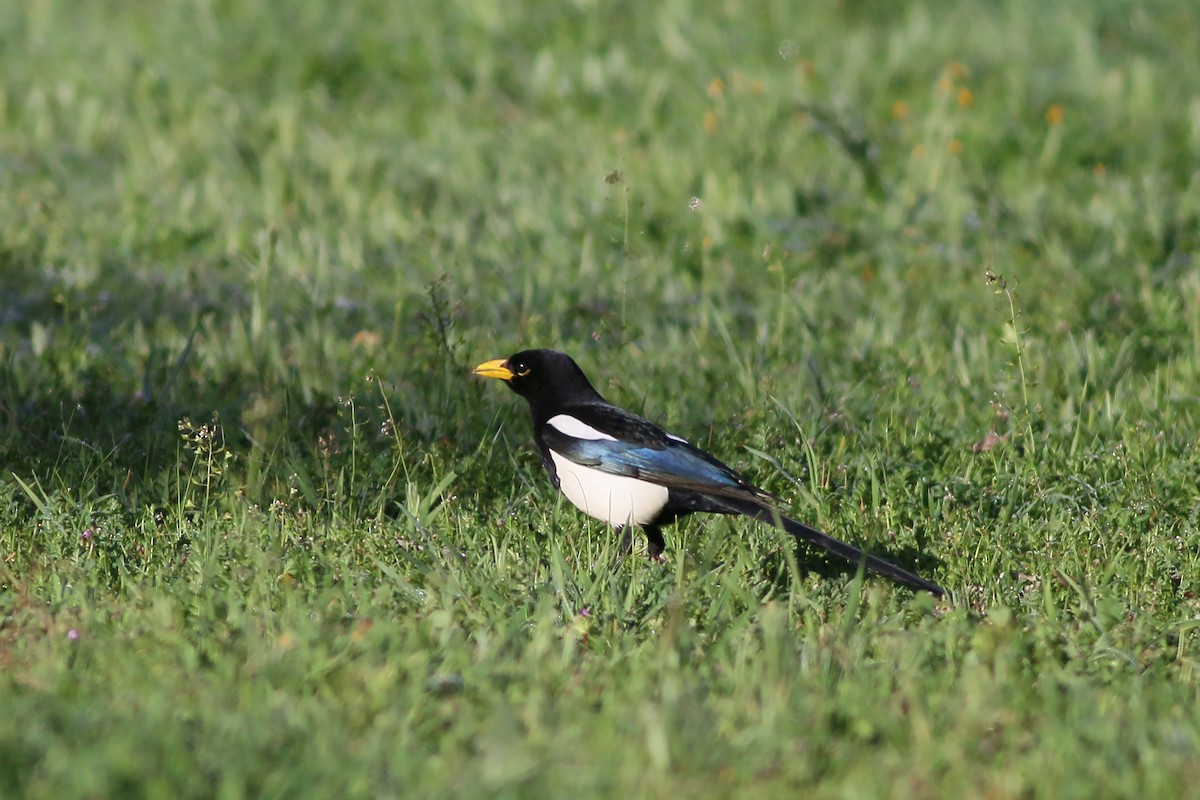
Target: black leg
[[626, 541], [655, 544]]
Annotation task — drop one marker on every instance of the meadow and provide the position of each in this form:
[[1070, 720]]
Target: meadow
[[927, 271]]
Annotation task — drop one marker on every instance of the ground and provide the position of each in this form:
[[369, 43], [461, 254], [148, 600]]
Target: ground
[[926, 271]]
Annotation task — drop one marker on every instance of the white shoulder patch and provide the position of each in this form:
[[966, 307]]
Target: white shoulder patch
[[566, 424], [677, 438]]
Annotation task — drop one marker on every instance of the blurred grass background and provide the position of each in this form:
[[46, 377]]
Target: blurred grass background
[[927, 271]]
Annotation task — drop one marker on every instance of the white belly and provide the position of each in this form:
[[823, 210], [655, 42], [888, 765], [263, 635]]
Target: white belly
[[614, 499]]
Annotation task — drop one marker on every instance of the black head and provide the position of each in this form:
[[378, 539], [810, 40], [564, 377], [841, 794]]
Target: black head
[[546, 378]]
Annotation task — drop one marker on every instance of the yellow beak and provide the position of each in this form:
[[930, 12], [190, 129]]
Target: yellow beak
[[496, 368]]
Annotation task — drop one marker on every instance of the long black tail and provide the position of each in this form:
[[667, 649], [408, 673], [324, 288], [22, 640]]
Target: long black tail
[[849, 552]]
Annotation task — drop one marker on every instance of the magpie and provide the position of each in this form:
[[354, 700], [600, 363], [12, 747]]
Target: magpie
[[626, 471]]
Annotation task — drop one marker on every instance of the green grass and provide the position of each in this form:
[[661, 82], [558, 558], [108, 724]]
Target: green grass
[[262, 535]]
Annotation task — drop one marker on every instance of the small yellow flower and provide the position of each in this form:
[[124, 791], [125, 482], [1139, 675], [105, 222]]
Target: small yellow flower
[[367, 340], [899, 110], [710, 121], [361, 629], [1054, 115], [716, 88], [966, 98], [706, 243], [957, 69], [756, 87], [955, 146]]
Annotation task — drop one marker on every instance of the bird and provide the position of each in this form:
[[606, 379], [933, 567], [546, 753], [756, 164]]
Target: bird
[[624, 470]]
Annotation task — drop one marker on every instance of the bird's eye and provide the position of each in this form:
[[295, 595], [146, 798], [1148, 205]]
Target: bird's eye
[[522, 369]]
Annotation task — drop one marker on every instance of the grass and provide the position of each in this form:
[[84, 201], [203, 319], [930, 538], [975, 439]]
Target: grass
[[927, 272]]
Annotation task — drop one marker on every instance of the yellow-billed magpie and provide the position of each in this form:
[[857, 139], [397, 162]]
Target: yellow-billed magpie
[[619, 468]]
